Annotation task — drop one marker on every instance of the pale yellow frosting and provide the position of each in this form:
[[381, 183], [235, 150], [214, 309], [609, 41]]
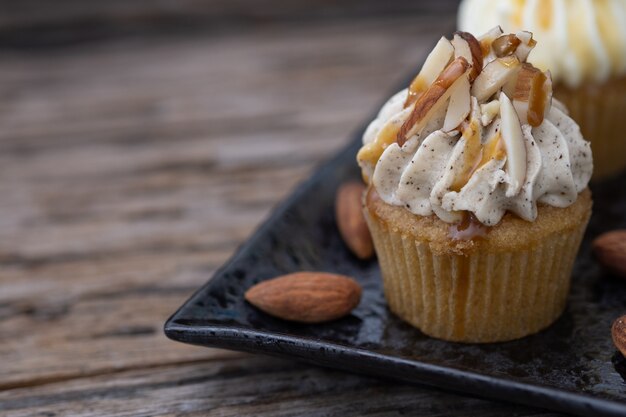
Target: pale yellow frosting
[[577, 40]]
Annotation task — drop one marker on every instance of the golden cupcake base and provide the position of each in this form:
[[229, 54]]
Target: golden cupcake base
[[512, 283], [600, 110]]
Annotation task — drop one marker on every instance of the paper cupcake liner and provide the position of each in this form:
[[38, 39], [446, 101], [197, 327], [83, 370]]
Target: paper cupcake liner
[[600, 112], [479, 298]]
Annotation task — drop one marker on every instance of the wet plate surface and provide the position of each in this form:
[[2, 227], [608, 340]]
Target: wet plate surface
[[571, 366]]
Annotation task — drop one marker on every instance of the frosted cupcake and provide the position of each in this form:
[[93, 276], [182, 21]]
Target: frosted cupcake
[[477, 198], [583, 44]]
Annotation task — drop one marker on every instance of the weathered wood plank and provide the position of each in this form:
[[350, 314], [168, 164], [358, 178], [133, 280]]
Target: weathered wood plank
[[256, 386], [115, 15], [131, 171]]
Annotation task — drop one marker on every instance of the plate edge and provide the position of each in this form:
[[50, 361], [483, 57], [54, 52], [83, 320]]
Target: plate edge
[[378, 364]]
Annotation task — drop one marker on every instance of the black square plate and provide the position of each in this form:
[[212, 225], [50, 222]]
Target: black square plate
[[572, 366]]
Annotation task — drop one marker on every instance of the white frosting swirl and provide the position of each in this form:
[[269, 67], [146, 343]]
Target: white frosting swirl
[[578, 40], [419, 174]]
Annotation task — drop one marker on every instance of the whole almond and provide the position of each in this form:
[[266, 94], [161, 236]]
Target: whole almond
[[308, 297], [351, 221], [610, 250], [618, 332]]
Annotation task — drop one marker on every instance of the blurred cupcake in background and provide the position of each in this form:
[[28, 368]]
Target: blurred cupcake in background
[[583, 44]]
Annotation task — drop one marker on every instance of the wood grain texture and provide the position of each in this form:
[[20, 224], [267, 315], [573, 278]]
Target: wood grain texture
[[36, 24], [254, 386], [114, 13], [130, 170]]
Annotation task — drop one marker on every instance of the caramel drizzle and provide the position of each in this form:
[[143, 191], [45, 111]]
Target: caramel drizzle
[[505, 45], [469, 228], [537, 101], [531, 86], [372, 151], [417, 87], [475, 154]]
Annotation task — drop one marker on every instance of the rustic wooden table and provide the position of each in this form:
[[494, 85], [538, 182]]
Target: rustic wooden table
[[131, 169]]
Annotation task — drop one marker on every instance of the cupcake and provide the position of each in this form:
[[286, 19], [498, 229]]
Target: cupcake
[[583, 44], [477, 195]]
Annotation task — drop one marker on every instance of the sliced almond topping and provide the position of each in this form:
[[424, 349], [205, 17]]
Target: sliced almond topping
[[527, 45], [436, 62], [505, 45], [493, 149], [487, 39], [489, 111], [436, 96], [509, 87], [459, 106], [526, 37], [511, 131], [467, 46], [528, 77], [547, 91], [532, 96], [495, 74]]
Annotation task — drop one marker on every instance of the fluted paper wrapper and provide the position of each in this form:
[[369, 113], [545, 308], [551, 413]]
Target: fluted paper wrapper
[[478, 298], [600, 110]]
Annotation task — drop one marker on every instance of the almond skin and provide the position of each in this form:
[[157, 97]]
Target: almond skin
[[618, 332], [477, 53], [610, 250], [351, 221], [434, 96], [306, 297]]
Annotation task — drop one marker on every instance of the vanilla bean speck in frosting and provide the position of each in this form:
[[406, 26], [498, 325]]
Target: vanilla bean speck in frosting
[[484, 141]]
